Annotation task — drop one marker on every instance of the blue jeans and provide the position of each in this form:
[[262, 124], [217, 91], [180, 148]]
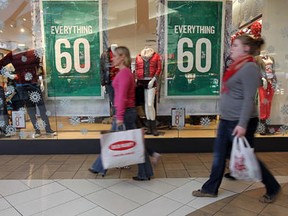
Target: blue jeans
[[144, 170], [222, 147]]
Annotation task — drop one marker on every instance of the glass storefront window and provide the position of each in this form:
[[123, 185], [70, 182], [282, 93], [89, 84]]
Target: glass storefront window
[[51, 54]]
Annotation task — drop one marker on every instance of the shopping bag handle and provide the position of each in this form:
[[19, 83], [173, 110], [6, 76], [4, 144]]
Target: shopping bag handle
[[121, 127], [241, 142]]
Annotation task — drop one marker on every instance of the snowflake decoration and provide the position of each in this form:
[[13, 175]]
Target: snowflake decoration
[[1, 101], [40, 124], [272, 130], [261, 128], [75, 120], [286, 120], [39, 52], [24, 59], [91, 119], [35, 97], [4, 71], [23, 109], [48, 113], [10, 89], [284, 109], [65, 102], [60, 125], [2, 124], [268, 121], [84, 131], [3, 4], [241, 1], [205, 121], [284, 32], [283, 129], [270, 49], [266, 26], [10, 130], [275, 85], [28, 76], [22, 134]]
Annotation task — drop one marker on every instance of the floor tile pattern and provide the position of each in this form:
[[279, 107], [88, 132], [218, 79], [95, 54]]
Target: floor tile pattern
[[52, 185]]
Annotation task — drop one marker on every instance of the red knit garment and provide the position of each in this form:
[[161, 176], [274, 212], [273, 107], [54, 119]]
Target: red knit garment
[[233, 68]]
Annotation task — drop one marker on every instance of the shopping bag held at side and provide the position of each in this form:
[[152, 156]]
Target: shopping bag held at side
[[243, 162], [122, 148]]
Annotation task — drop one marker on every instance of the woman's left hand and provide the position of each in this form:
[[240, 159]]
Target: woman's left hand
[[239, 131], [119, 122]]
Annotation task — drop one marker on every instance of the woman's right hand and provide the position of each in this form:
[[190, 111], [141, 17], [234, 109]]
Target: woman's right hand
[[239, 131]]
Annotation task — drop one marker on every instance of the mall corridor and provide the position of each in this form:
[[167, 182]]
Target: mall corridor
[[61, 185]]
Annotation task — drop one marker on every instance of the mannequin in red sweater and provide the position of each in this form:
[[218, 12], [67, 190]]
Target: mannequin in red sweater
[[148, 68]]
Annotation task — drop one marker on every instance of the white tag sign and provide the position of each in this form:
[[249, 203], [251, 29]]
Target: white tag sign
[[178, 117], [18, 119]]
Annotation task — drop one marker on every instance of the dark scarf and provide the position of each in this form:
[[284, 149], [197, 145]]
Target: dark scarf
[[233, 68]]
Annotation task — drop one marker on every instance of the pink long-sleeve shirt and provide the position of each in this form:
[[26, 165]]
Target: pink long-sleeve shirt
[[124, 92]]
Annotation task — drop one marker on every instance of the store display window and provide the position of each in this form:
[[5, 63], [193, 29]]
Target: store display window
[[57, 69]]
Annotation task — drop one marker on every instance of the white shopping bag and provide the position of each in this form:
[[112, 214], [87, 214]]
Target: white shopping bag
[[243, 162], [122, 148]]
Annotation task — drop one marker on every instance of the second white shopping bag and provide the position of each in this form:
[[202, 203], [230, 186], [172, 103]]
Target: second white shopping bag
[[243, 162], [122, 148]]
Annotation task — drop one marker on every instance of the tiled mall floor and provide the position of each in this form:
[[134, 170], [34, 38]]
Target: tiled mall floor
[[52, 185]]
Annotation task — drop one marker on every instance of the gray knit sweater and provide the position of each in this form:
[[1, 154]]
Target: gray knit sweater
[[239, 102]]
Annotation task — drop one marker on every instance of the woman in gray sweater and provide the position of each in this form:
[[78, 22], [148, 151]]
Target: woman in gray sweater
[[238, 115]]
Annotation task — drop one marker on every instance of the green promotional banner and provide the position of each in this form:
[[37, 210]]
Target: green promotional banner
[[193, 62], [72, 48]]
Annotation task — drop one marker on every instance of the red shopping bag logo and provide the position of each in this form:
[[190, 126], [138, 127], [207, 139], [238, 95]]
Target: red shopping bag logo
[[122, 145], [239, 163]]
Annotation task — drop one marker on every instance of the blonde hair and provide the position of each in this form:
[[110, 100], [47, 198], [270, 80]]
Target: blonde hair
[[124, 51]]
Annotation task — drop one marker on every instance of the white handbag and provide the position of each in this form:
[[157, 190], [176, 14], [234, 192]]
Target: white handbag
[[243, 162], [122, 148]]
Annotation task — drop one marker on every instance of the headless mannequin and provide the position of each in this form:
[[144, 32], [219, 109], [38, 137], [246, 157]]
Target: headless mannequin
[[29, 85], [266, 91], [148, 68], [108, 72]]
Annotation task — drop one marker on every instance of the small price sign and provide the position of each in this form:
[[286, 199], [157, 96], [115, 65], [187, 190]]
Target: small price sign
[[178, 117], [18, 119]]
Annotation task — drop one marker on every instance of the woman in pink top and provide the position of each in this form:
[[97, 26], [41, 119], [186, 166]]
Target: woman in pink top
[[124, 90], [124, 101]]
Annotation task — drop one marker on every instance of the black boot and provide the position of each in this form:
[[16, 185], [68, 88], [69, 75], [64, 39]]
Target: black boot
[[154, 128], [149, 129]]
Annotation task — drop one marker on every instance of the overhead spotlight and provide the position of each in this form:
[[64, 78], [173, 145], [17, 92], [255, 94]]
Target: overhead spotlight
[[24, 19], [11, 25], [22, 30], [1, 31]]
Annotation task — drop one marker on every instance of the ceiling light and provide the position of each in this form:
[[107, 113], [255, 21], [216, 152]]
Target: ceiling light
[[21, 45], [11, 25], [24, 19], [22, 30], [1, 31]]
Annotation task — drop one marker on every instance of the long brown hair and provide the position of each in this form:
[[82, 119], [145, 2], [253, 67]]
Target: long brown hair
[[254, 44]]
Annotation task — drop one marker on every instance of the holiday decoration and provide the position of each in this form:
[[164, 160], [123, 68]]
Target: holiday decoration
[[256, 29]]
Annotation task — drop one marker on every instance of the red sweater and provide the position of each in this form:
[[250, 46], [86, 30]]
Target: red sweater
[[124, 88], [155, 66]]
